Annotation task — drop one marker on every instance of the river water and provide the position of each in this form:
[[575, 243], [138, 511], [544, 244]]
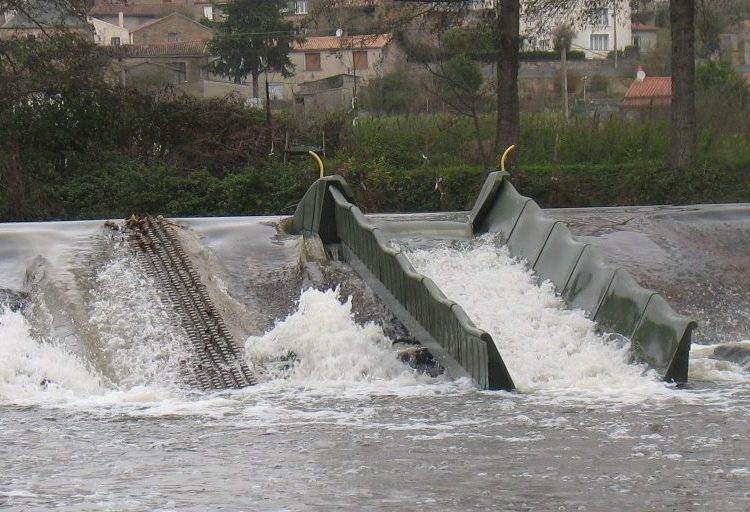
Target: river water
[[93, 416]]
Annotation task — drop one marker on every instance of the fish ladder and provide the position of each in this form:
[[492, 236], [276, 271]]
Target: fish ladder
[[216, 361]]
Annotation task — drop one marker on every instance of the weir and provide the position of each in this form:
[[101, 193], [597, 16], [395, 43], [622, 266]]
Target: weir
[[609, 295]]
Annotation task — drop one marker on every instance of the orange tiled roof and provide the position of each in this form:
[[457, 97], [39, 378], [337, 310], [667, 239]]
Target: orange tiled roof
[[336, 43], [652, 90], [170, 49]]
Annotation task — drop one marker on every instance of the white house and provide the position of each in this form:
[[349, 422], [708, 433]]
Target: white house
[[609, 29]]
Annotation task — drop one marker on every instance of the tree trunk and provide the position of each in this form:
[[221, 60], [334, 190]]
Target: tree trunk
[[682, 22], [255, 85], [508, 116]]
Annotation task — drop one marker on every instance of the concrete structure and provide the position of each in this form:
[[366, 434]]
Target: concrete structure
[[108, 34], [325, 95], [644, 37], [735, 45]]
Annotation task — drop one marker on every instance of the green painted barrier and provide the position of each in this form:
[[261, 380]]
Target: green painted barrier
[[610, 296], [327, 211], [659, 337]]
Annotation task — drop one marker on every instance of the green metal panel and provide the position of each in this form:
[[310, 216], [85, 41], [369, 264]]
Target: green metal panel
[[589, 281], [486, 198], [501, 216], [623, 305], [530, 234], [559, 256], [662, 340]]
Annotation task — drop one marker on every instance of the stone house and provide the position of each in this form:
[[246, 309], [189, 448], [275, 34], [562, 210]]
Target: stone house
[[166, 63], [363, 57]]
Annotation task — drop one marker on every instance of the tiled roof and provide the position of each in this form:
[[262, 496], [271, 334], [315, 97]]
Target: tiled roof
[[642, 27], [336, 43], [652, 90], [171, 49]]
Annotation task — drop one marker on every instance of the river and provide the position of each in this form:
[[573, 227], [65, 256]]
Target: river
[[93, 416]]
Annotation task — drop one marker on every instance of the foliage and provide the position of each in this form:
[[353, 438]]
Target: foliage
[[542, 55], [392, 93], [253, 38]]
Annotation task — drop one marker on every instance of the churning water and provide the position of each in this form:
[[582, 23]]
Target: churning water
[[93, 415]]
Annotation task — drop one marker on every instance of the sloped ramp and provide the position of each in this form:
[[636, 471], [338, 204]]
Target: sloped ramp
[[216, 361], [659, 337]]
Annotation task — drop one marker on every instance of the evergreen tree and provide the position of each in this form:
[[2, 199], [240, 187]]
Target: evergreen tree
[[253, 38]]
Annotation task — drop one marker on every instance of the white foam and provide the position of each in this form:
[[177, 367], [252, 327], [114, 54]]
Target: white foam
[[544, 345], [39, 370], [139, 338], [329, 349]]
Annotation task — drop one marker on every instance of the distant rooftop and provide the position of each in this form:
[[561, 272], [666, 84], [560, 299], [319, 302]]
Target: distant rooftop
[[651, 91], [372, 41]]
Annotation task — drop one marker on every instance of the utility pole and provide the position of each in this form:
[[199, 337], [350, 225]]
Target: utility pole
[[564, 70], [614, 21]]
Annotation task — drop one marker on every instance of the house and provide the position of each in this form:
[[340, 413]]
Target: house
[[644, 37], [171, 28], [648, 92], [325, 95], [607, 30], [44, 17], [180, 64], [108, 34], [166, 63], [362, 56]]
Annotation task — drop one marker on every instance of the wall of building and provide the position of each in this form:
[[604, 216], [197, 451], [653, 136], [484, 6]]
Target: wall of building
[[159, 32]]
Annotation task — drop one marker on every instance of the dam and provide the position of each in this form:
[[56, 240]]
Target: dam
[[98, 410]]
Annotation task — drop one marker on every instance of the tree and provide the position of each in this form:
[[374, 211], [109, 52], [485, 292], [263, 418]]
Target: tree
[[253, 38], [682, 23]]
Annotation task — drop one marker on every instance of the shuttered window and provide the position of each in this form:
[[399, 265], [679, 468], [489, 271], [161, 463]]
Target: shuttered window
[[312, 62], [360, 59]]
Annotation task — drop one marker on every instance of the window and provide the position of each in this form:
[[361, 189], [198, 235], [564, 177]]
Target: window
[[276, 91], [360, 59], [208, 12], [300, 7], [600, 42], [312, 62], [114, 41], [601, 18], [172, 36]]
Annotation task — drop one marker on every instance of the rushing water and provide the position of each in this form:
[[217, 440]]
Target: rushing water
[[93, 416]]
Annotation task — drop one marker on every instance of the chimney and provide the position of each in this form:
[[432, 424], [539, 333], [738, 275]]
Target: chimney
[[120, 19]]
